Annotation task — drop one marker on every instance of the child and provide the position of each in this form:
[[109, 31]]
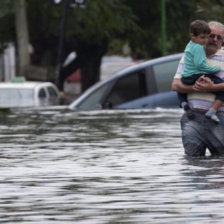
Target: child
[[195, 66]]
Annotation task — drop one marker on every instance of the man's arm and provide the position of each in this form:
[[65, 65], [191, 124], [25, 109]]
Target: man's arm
[[178, 86], [204, 84]]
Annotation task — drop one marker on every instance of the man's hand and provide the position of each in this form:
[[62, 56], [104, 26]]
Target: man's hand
[[203, 84]]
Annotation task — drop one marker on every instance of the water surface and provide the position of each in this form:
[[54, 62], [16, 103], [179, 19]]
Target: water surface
[[60, 166]]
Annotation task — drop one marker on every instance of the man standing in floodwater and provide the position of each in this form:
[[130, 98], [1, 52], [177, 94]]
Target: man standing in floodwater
[[199, 132]]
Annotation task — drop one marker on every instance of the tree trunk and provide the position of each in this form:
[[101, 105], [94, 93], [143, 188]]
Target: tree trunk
[[88, 60], [22, 37], [90, 73]]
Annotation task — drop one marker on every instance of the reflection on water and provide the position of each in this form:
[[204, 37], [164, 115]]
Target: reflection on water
[[59, 166]]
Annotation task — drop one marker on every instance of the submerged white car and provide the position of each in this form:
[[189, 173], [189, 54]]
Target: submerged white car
[[28, 94]]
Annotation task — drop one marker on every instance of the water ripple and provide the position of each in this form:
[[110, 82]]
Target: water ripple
[[59, 166]]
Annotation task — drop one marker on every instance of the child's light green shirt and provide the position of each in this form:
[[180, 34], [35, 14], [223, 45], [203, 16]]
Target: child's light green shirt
[[195, 61]]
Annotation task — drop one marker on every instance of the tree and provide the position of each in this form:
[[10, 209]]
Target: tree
[[88, 32], [92, 32], [22, 37], [7, 25], [16, 11]]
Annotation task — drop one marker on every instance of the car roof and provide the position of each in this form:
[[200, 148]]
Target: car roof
[[139, 66], [149, 62], [22, 85]]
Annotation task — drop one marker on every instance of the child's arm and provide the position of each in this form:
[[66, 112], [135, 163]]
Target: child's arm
[[200, 62]]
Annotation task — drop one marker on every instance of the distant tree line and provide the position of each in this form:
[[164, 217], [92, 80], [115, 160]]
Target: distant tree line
[[103, 27]]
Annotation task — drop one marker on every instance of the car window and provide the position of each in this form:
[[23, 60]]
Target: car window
[[164, 74], [42, 93], [127, 88], [93, 101], [52, 91]]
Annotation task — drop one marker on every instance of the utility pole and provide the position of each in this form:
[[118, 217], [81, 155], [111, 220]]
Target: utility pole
[[22, 37], [163, 27]]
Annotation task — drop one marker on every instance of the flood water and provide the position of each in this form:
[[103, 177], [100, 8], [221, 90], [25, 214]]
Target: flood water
[[60, 166]]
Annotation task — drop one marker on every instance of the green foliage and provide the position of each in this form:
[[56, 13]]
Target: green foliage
[[100, 20], [7, 30], [179, 17], [210, 10], [7, 7], [145, 43], [7, 26], [136, 22]]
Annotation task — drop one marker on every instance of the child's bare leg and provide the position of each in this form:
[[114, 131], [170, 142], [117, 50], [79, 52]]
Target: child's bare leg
[[211, 113]]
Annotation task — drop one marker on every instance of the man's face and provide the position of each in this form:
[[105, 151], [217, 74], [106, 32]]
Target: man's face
[[215, 39]]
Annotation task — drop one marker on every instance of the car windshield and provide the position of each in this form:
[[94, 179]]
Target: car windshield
[[16, 97]]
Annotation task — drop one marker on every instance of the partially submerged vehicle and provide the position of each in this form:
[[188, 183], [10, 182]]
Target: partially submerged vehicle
[[28, 94], [145, 85]]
